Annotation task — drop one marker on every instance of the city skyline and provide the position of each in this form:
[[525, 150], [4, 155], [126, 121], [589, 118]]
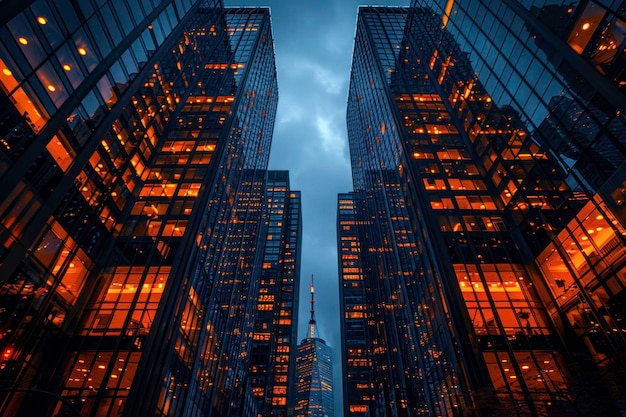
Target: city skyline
[[313, 43], [566, 226], [325, 33]]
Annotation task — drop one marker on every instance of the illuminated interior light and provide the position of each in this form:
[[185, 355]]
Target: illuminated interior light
[[67, 67], [51, 88], [599, 217], [71, 264], [525, 367], [23, 41], [586, 26], [82, 51], [42, 20], [7, 72]]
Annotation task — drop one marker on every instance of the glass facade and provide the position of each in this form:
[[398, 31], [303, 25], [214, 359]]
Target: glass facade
[[272, 367], [487, 148], [134, 142], [314, 373], [357, 337]]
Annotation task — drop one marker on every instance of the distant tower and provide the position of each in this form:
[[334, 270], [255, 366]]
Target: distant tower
[[314, 372]]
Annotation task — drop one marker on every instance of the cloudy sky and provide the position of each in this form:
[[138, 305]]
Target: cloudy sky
[[313, 42]]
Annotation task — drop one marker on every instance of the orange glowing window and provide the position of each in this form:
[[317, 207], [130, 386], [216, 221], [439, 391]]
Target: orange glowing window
[[61, 151], [137, 164], [586, 27], [279, 390], [268, 298], [438, 203], [358, 408], [422, 155], [262, 336], [279, 401], [189, 190], [73, 277], [28, 106]]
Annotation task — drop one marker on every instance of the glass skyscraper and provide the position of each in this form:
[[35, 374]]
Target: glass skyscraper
[[273, 353], [134, 142], [314, 373], [485, 235], [357, 337]]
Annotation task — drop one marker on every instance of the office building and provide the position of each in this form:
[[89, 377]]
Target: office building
[[274, 342], [487, 150], [314, 372], [357, 337], [134, 144]]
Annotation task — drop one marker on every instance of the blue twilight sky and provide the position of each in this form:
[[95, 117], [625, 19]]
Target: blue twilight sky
[[313, 43]]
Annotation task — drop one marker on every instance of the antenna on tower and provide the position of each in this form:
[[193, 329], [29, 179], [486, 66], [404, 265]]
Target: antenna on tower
[[312, 321]]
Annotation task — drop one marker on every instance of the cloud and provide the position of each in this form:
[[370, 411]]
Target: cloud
[[303, 70], [291, 112], [330, 140], [324, 76]]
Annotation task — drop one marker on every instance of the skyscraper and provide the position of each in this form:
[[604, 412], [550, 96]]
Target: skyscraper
[[276, 321], [357, 338], [487, 150], [314, 372], [134, 142]]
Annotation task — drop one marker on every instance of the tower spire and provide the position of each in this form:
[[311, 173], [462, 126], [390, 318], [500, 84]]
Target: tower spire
[[312, 321]]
